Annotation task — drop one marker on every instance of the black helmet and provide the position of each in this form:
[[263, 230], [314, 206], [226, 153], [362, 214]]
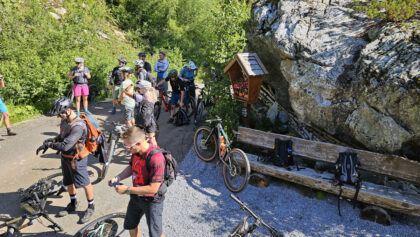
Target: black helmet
[[60, 105], [142, 54], [123, 60], [173, 73]]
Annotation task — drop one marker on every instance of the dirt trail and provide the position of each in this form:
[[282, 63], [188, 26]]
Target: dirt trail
[[20, 167]]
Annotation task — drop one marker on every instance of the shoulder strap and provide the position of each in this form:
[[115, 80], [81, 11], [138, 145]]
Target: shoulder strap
[[152, 153]]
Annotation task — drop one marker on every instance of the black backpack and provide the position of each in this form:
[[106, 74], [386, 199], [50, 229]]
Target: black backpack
[[181, 118], [171, 169], [283, 156], [347, 172], [102, 150], [143, 113]]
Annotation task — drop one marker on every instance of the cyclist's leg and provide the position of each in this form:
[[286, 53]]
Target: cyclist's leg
[[174, 102], [77, 104], [85, 94]]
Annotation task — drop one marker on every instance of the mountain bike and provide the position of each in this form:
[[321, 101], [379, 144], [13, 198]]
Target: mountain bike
[[244, 229], [114, 136], [165, 99], [212, 142], [33, 201], [107, 226], [203, 102]]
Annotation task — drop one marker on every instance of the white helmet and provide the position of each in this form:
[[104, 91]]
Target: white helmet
[[139, 63]]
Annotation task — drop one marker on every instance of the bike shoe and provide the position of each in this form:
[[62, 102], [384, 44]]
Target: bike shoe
[[88, 214], [10, 133], [171, 120], [69, 209], [114, 110]]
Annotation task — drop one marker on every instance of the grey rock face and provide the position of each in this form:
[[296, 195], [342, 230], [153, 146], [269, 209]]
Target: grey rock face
[[341, 72]]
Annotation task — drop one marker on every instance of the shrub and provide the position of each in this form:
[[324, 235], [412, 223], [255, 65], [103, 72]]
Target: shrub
[[391, 10]]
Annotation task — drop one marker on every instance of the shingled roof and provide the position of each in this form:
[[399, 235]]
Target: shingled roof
[[250, 63]]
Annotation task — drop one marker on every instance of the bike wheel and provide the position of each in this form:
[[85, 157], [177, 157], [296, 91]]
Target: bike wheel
[[109, 225], [205, 144], [236, 170], [93, 92], [156, 111], [199, 113], [110, 154], [70, 94], [190, 107]]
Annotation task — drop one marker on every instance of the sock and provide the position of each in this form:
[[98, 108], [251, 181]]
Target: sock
[[90, 204], [73, 199]]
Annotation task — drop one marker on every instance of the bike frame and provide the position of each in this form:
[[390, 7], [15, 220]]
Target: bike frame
[[218, 130], [167, 107]]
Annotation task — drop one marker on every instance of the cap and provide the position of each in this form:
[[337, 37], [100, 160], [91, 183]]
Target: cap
[[142, 54], [192, 65], [79, 60], [143, 84]]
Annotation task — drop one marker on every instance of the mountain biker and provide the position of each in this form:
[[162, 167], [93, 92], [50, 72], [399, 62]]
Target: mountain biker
[[71, 140], [80, 76], [178, 88], [145, 97], [147, 66], [5, 113], [115, 82], [127, 102], [161, 67], [142, 74], [188, 74], [145, 184]]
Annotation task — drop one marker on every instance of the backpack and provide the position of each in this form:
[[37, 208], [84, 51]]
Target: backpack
[[283, 156], [181, 118], [91, 144], [143, 113], [347, 172], [171, 169]]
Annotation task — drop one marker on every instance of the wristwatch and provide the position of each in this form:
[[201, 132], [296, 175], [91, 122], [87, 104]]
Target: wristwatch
[[128, 191]]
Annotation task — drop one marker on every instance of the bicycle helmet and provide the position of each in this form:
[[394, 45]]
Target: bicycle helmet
[[126, 69], [60, 105], [173, 73], [139, 63], [123, 60], [143, 84]]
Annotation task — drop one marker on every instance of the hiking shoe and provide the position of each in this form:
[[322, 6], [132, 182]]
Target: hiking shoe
[[10, 133], [114, 110], [88, 214], [171, 120], [69, 209]]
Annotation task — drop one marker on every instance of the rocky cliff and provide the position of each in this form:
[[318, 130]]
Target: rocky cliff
[[356, 79]]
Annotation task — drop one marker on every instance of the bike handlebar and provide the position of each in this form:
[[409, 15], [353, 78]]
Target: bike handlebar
[[217, 119], [245, 207]]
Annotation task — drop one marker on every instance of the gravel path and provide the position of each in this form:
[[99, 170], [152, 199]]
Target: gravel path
[[198, 204]]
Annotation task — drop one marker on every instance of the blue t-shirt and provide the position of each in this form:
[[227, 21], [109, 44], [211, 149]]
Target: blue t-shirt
[[188, 74]]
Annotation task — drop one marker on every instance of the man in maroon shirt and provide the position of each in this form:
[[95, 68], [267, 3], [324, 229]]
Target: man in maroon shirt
[[146, 183]]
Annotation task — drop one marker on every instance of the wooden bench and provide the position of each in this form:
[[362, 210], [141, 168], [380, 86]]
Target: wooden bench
[[377, 195]]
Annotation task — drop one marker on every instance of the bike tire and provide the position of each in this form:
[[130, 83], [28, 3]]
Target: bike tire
[[156, 110], [190, 107], [110, 153], [199, 113], [112, 223], [200, 145], [70, 94], [93, 93], [236, 176]]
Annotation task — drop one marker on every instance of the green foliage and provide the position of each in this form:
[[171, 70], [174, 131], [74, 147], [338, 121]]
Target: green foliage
[[225, 106], [391, 10], [38, 51], [22, 112]]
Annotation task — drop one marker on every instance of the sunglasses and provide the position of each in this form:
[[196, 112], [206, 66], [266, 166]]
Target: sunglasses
[[131, 146], [78, 63]]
